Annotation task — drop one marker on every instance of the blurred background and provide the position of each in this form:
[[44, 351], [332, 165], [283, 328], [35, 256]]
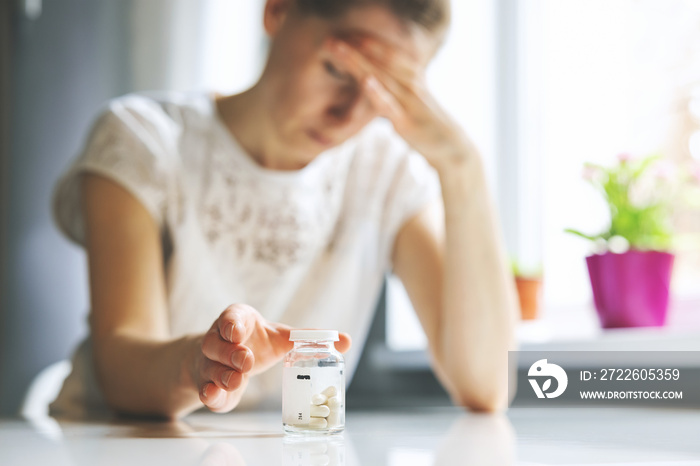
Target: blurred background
[[542, 86]]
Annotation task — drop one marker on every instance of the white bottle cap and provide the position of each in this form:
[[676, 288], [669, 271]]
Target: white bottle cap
[[296, 335]]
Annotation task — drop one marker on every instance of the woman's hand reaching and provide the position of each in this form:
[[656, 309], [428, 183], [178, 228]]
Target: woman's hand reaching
[[240, 344]]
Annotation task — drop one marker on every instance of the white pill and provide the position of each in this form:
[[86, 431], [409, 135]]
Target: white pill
[[319, 399], [334, 418], [334, 401], [330, 391], [319, 411], [318, 423]]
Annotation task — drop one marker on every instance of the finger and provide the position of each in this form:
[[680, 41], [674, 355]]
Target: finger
[[381, 100], [278, 336], [402, 81], [236, 323], [344, 342], [212, 396], [219, 400], [399, 62], [362, 68], [221, 375], [235, 356]]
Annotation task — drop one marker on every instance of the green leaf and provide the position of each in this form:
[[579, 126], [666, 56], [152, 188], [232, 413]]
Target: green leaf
[[582, 235]]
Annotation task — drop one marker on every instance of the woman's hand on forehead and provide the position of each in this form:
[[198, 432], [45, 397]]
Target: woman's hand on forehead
[[388, 76], [394, 83], [366, 54]]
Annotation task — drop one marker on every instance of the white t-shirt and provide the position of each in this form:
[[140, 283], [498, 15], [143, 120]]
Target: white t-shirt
[[308, 248]]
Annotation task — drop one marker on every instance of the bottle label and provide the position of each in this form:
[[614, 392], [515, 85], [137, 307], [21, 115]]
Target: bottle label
[[296, 395], [299, 384]]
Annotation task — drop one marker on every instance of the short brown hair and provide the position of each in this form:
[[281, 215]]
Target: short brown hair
[[429, 14]]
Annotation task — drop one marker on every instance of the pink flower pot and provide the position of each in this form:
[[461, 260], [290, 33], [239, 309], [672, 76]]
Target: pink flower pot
[[631, 289]]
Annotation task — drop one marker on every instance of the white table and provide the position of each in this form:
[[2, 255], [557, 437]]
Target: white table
[[445, 436]]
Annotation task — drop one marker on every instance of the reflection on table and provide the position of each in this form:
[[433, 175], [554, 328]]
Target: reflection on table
[[421, 437]]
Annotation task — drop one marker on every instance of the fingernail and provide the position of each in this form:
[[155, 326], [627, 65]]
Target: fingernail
[[226, 378], [229, 331], [204, 390], [238, 359]]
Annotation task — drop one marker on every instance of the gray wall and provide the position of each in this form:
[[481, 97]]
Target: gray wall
[[5, 50], [63, 65]]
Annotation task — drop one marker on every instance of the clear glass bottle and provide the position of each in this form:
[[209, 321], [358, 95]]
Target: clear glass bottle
[[313, 384]]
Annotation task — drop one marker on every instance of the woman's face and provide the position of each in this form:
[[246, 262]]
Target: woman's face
[[314, 102]]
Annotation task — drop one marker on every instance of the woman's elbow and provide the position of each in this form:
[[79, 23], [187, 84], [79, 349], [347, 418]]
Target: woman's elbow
[[487, 403]]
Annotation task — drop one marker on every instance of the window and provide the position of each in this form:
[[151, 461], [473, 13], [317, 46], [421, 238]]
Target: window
[[615, 77], [234, 45], [574, 81]]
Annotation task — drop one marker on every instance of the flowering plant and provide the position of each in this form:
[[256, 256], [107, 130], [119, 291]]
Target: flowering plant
[[640, 194]]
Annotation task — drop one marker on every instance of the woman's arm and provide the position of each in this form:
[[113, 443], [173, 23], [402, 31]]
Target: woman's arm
[[454, 270], [141, 369]]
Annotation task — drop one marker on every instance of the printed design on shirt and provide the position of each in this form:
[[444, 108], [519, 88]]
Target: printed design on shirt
[[263, 221]]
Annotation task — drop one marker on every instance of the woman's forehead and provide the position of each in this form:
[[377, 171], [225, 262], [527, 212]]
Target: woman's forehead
[[375, 24]]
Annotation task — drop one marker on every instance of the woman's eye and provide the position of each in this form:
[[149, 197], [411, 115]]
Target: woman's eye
[[335, 72]]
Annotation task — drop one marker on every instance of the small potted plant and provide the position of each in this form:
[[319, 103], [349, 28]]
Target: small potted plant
[[528, 282], [630, 269]]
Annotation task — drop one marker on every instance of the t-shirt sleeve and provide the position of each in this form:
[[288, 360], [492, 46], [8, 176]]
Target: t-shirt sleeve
[[126, 144], [412, 186], [415, 185]]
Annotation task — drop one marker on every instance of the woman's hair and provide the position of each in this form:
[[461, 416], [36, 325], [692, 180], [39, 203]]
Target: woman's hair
[[429, 14]]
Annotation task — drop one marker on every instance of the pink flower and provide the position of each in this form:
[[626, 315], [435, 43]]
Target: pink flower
[[624, 157], [664, 170], [695, 173], [590, 172]]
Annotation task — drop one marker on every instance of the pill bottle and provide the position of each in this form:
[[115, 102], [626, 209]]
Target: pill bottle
[[313, 384]]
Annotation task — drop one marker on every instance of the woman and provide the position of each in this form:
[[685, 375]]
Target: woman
[[293, 199]]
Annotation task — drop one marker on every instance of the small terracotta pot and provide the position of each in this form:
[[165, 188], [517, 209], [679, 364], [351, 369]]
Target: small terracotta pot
[[530, 296]]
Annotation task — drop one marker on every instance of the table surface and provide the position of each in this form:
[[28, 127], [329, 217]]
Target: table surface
[[417, 437]]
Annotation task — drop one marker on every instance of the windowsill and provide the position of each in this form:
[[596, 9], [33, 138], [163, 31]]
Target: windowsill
[[579, 330]]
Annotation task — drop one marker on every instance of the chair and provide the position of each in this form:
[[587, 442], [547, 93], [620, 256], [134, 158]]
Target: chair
[[44, 389]]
